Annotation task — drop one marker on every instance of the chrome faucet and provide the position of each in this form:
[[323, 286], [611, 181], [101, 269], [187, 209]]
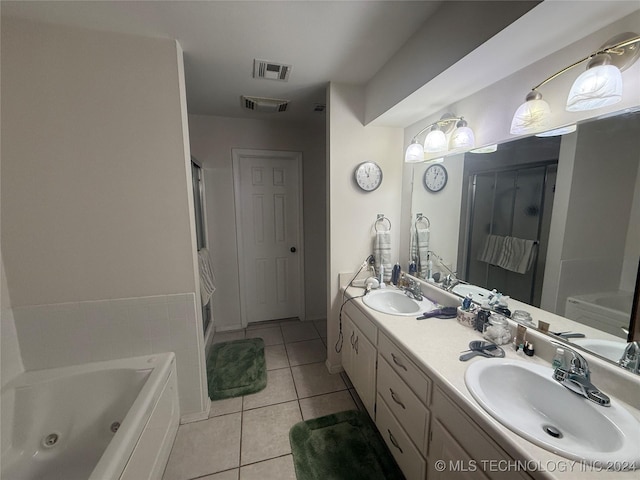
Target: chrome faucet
[[450, 281], [413, 290], [577, 377], [630, 359]]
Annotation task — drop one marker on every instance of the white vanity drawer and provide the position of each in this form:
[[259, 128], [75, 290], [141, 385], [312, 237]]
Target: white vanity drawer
[[406, 369], [408, 458], [405, 406], [359, 319]]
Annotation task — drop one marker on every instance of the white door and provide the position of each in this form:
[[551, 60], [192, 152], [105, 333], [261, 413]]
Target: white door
[[269, 238]]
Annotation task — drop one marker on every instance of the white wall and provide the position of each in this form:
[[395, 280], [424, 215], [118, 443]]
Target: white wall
[[10, 358], [212, 139], [352, 213], [95, 190]]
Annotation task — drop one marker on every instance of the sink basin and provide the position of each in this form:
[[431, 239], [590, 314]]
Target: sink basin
[[478, 293], [396, 302], [609, 349], [525, 399]]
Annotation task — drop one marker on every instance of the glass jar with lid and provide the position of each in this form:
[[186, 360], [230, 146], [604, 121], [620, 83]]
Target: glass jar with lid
[[497, 330], [523, 318]]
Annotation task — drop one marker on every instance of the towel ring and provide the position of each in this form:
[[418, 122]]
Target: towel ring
[[381, 218], [421, 218]]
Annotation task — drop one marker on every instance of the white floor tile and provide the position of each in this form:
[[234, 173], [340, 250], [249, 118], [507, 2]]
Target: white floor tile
[[225, 406], [308, 351], [270, 335], [265, 431], [228, 475], [227, 336], [280, 468], [276, 357], [315, 379], [298, 331], [327, 404], [279, 389], [203, 448]]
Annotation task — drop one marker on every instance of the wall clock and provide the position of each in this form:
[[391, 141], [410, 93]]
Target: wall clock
[[368, 176], [435, 178]]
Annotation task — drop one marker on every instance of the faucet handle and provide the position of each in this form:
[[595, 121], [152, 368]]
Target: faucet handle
[[631, 357], [577, 364]]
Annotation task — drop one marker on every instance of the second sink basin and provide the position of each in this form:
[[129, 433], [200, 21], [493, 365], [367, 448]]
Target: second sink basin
[[396, 302], [609, 349], [527, 400]]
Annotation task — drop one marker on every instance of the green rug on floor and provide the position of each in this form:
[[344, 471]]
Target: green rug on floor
[[236, 368], [342, 446]]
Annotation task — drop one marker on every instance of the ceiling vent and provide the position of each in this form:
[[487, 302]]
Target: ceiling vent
[[268, 105], [271, 70]]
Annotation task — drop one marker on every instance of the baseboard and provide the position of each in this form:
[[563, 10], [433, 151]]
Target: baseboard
[[333, 368], [195, 417], [228, 328]]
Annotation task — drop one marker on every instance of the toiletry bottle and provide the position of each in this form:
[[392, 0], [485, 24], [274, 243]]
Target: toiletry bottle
[[483, 316], [413, 268], [558, 359], [466, 302], [395, 274]]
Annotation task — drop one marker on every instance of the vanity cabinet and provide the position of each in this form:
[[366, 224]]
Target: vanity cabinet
[[402, 414], [359, 355], [468, 452]]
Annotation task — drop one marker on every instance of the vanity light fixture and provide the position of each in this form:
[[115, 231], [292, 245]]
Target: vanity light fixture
[[486, 149], [558, 131], [599, 86], [436, 140]]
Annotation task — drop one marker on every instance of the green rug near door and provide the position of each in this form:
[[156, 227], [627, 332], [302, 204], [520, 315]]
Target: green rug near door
[[236, 368], [342, 446]]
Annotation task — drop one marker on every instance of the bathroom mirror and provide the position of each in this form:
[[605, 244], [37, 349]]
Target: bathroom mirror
[[576, 200]]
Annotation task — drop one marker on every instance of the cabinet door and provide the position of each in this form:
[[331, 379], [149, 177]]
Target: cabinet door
[[348, 337], [448, 460], [363, 364]]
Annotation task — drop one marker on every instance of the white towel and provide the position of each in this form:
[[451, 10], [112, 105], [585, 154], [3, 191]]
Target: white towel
[[422, 239], [493, 249], [510, 253], [518, 254], [207, 278], [382, 253]]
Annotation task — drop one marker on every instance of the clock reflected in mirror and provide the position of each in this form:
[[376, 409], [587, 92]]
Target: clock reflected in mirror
[[435, 178], [368, 176]]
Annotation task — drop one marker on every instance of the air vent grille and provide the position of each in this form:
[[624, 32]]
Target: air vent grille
[[271, 70], [268, 105]]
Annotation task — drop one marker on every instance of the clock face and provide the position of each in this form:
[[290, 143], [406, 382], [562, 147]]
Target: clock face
[[435, 178], [368, 176]]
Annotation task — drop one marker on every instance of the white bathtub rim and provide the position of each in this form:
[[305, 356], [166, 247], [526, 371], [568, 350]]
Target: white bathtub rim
[[136, 419], [116, 455]]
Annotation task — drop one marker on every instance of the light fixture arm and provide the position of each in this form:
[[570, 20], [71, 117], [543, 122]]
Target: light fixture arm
[[445, 120], [606, 50]]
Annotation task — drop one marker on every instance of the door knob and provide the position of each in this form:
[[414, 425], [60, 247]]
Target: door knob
[[293, 249]]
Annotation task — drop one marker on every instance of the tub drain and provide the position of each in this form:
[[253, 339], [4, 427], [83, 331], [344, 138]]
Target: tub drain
[[50, 440], [114, 427], [553, 431]]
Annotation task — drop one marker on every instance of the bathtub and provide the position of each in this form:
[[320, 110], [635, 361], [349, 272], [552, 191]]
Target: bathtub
[[607, 311], [99, 421]]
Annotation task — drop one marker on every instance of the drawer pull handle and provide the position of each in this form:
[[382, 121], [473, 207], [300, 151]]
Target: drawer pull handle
[[352, 334], [395, 360], [355, 346], [393, 440], [393, 396]]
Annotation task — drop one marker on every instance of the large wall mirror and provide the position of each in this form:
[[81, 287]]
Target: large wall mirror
[[571, 203]]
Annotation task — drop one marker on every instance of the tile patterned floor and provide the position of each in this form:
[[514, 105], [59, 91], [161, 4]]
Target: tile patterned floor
[[247, 438]]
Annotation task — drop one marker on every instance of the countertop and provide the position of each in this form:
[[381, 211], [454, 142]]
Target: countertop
[[434, 345]]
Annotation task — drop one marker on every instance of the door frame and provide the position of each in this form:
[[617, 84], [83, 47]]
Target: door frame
[[238, 154]]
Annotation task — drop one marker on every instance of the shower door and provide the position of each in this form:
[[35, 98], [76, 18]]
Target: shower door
[[510, 203], [201, 237]]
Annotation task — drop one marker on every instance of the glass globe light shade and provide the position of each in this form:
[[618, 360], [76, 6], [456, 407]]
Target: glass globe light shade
[[435, 142], [532, 116], [598, 87], [462, 137], [558, 131], [414, 153]]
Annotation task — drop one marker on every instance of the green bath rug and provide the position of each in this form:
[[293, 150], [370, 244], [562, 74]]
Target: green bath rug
[[342, 446], [236, 368]]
